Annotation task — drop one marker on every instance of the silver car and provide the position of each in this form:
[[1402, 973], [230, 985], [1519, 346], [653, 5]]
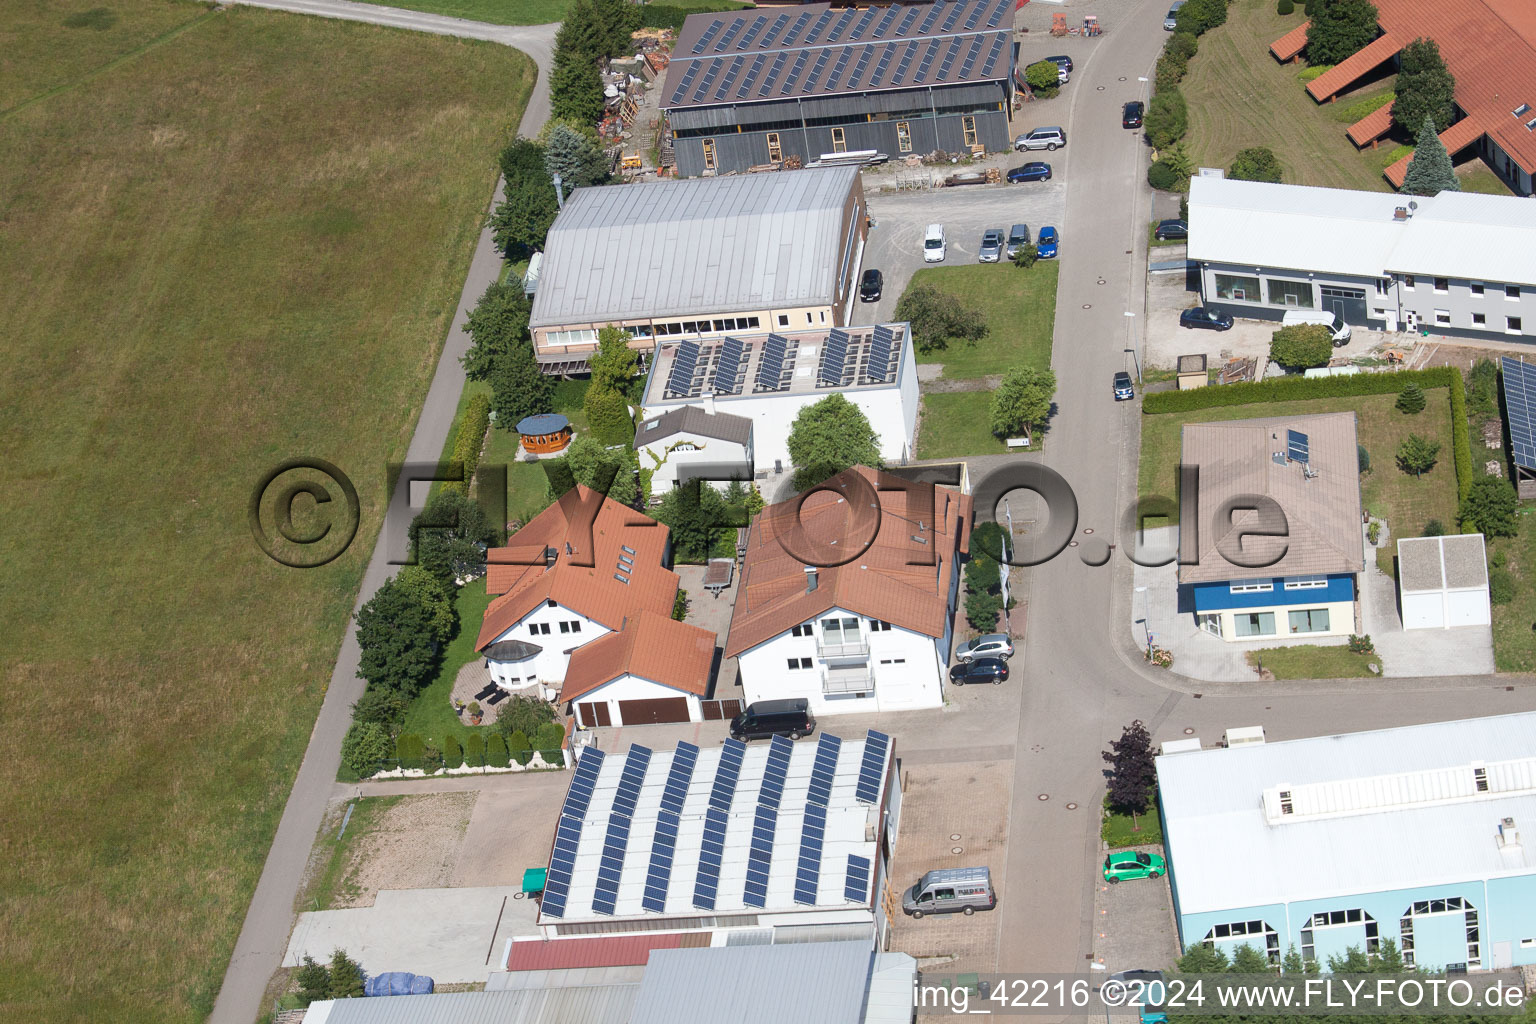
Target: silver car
[[1041, 138], [988, 645], [991, 245], [1171, 22]]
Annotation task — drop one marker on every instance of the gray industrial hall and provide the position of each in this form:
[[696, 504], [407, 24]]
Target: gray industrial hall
[[776, 87]]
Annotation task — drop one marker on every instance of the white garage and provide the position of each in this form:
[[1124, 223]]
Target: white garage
[[1443, 581]]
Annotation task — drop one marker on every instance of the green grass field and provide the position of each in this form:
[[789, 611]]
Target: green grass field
[[956, 423], [1308, 662], [1405, 501], [517, 12], [1514, 624], [239, 244], [1020, 306]]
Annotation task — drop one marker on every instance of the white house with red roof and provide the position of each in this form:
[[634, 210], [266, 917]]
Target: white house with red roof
[[576, 573], [868, 633], [652, 670]]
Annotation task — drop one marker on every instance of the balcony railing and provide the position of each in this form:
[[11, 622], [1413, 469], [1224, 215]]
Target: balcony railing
[[852, 649], [854, 679]]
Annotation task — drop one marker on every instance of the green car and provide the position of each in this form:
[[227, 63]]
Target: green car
[[1130, 864]]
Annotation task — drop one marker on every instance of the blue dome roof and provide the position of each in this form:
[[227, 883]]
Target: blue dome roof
[[543, 423]]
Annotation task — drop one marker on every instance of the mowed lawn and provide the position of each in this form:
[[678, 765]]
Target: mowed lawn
[[1240, 96], [242, 244], [1405, 501], [1020, 307], [520, 12]]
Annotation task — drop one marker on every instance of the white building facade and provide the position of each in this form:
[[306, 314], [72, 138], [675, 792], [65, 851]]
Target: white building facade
[[557, 631]]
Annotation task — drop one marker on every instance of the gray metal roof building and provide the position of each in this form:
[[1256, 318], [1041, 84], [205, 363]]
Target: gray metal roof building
[[597, 1004], [667, 248], [805, 982], [692, 419], [763, 86]]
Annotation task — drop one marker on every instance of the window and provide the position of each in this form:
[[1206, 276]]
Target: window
[[1251, 586], [1242, 929], [1442, 286], [1480, 777], [1479, 320], [893, 661], [1290, 293], [1511, 325], [1305, 582], [878, 626], [839, 141], [775, 153], [1255, 623], [808, 318], [1243, 289], [1477, 287], [903, 137], [1381, 286], [799, 663], [804, 629], [1309, 620], [783, 319], [1512, 291], [569, 627], [1408, 281], [823, 314], [538, 629], [1286, 807], [969, 126], [1442, 316], [709, 154]]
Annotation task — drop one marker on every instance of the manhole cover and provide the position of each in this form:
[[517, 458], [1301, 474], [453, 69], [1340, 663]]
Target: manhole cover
[[1101, 88], [1087, 529], [1043, 797], [1087, 305], [1189, 732], [1072, 545], [1122, 78], [1071, 807], [1102, 281], [957, 849], [955, 836]]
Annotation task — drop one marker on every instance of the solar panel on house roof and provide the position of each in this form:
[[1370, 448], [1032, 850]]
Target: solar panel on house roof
[[730, 34], [905, 63], [774, 30], [955, 10], [872, 767], [974, 16], [562, 861], [823, 769], [775, 772], [796, 29], [688, 77], [728, 369], [885, 22], [727, 772], [1520, 404], [933, 15], [708, 36], [865, 52], [1298, 447], [794, 72], [706, 885], [837, 69], [932, 51], [679, 776], [881, 355], [821, 23], [815, 75], [907, 19], [616, 843], [773, 74], [856, 885], [760, 856], [834, 356], [730, 77], [752, 73], [813, 833], [972, 57], [710, 73], [770, 363], [758, 25], [668, 822], [996, 51], [882, 66], [684, 363]]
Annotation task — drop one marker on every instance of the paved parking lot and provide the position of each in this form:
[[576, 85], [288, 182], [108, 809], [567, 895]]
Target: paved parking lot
[[1134, 924]]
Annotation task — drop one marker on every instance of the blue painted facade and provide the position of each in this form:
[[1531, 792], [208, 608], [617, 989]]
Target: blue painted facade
[[1214, 597], [1495, 921]]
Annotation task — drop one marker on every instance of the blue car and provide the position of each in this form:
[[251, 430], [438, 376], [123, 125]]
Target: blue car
[[1045, 244], [1036, 170], [1199, 317]]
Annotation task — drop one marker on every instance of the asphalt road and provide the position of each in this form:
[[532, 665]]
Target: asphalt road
[[264, 936]]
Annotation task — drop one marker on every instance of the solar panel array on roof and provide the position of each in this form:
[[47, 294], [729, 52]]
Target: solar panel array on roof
[[616, 843], [752, 33], [1298, 447], [770, 363], [808, 870], [872, 767], [1520, 403], [688, 77], [562, 861], [834, 356], [684, 364], [668, 821], [729, 370], [706, 885], [708, 36], [882, 356], [837, 69], [796, 29], [765, 823], [997, 49], [856, 886], [825, 766]]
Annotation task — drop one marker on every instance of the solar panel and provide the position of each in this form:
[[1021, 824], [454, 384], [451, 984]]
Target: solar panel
[[730, 34], [907, 19], [840, 29], [616, 843], [808, 870], [823, 769], [933, 15], [794, 72], [885, 22], [770, 363], [663, 848], [730, 77], [708, 36], [882, 355], [678, 777], [687, 80], [1298, 447], [866, 52], [773, 74], [834, 355], [975, 16], [710, 74], [996, 51], [775, 29], [760, 856], [869, 16], [971, 58], [1520, 404], [727, 774], [562, 861], [728, 369], [1000, 9], [815, 75], [821, 23], [856, 887], [758, 24], [837, 69], [706, 885], [752, 73], [872, 767], [684, 362], [955, 10], [796, 29], [904, 64], [933, 49], [775, 772]]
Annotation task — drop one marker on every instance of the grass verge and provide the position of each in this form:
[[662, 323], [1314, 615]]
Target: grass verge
[[431, 715], [330, 884], [239, 245], [1020, 307], [1514, 624], [1305, 662], [1122, 830], [515, 12], [957, 423]]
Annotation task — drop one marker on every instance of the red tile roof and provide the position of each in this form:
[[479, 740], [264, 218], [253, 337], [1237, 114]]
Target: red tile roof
[[1290, 44], [1372, 126], [601, 951], [886, 581], [1338, 78], [1458, 136], [520, 574], [651, 646]]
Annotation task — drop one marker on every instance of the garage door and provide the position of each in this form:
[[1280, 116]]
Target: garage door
[[653, 712], [593, 714]]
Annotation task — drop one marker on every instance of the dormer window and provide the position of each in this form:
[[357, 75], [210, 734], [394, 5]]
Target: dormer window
[[1480, 777], [1285, 802], [1521, 109]]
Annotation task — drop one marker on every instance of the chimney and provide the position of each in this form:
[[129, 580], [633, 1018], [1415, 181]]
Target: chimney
[[550, 554], [1401, 213], [811, 580], [1509, 836], [708, 399]]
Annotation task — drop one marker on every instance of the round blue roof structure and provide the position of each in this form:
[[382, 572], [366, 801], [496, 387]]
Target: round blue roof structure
[[543, 423]]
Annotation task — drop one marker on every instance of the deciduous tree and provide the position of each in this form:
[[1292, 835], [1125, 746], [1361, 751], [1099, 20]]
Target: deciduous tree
[[1338, 29], [428, 591], [1490, 507], [1301, 346], [1425, 87], [696, 513], [398, 651], [1199, 16], [939, 319], [1167, 118], [829, 437], [498, 322], [1430, 172], [448, 538], [518, 387], [1022, 401], [1133, 772], [1043, 77], [587, 461], [613, 364], [1255, 164]]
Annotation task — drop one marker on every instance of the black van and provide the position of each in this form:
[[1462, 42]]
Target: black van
[[766, 718]]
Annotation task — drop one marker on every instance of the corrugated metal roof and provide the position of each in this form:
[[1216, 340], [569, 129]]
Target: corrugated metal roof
[[596, 951], [1453, 234], [1226, 856], [808, 983], [756, 55], [714, 245], [890, 989], [606, 1004]]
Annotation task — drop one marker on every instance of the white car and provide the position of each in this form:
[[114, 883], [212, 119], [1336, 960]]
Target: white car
[[988, 645], [934, 245]]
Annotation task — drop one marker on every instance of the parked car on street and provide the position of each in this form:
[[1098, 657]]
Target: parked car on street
[[1124, 389], [1130, 114], [1034, 171], [871, 286], [1041, 138], [1171, 22], [1045, 245], [1167, 229], [982, 670], [988, 645], [991, 249], [1131, 864], [1018, 237], [1204, 316], [1061, 60]]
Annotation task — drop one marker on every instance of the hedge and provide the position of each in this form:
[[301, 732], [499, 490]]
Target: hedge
[[474, 750], [453, 755], [409, 750], [1293, 389], [471, 436], [496, 751]]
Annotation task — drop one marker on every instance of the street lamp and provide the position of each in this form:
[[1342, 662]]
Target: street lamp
[[1146, 621]]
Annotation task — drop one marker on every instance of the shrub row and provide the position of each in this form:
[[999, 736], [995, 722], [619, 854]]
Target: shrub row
[[411, 751], [470, 439], [1291, 389]]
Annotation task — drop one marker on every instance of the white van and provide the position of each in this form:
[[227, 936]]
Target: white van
[[1332, 321], [933, 244]]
